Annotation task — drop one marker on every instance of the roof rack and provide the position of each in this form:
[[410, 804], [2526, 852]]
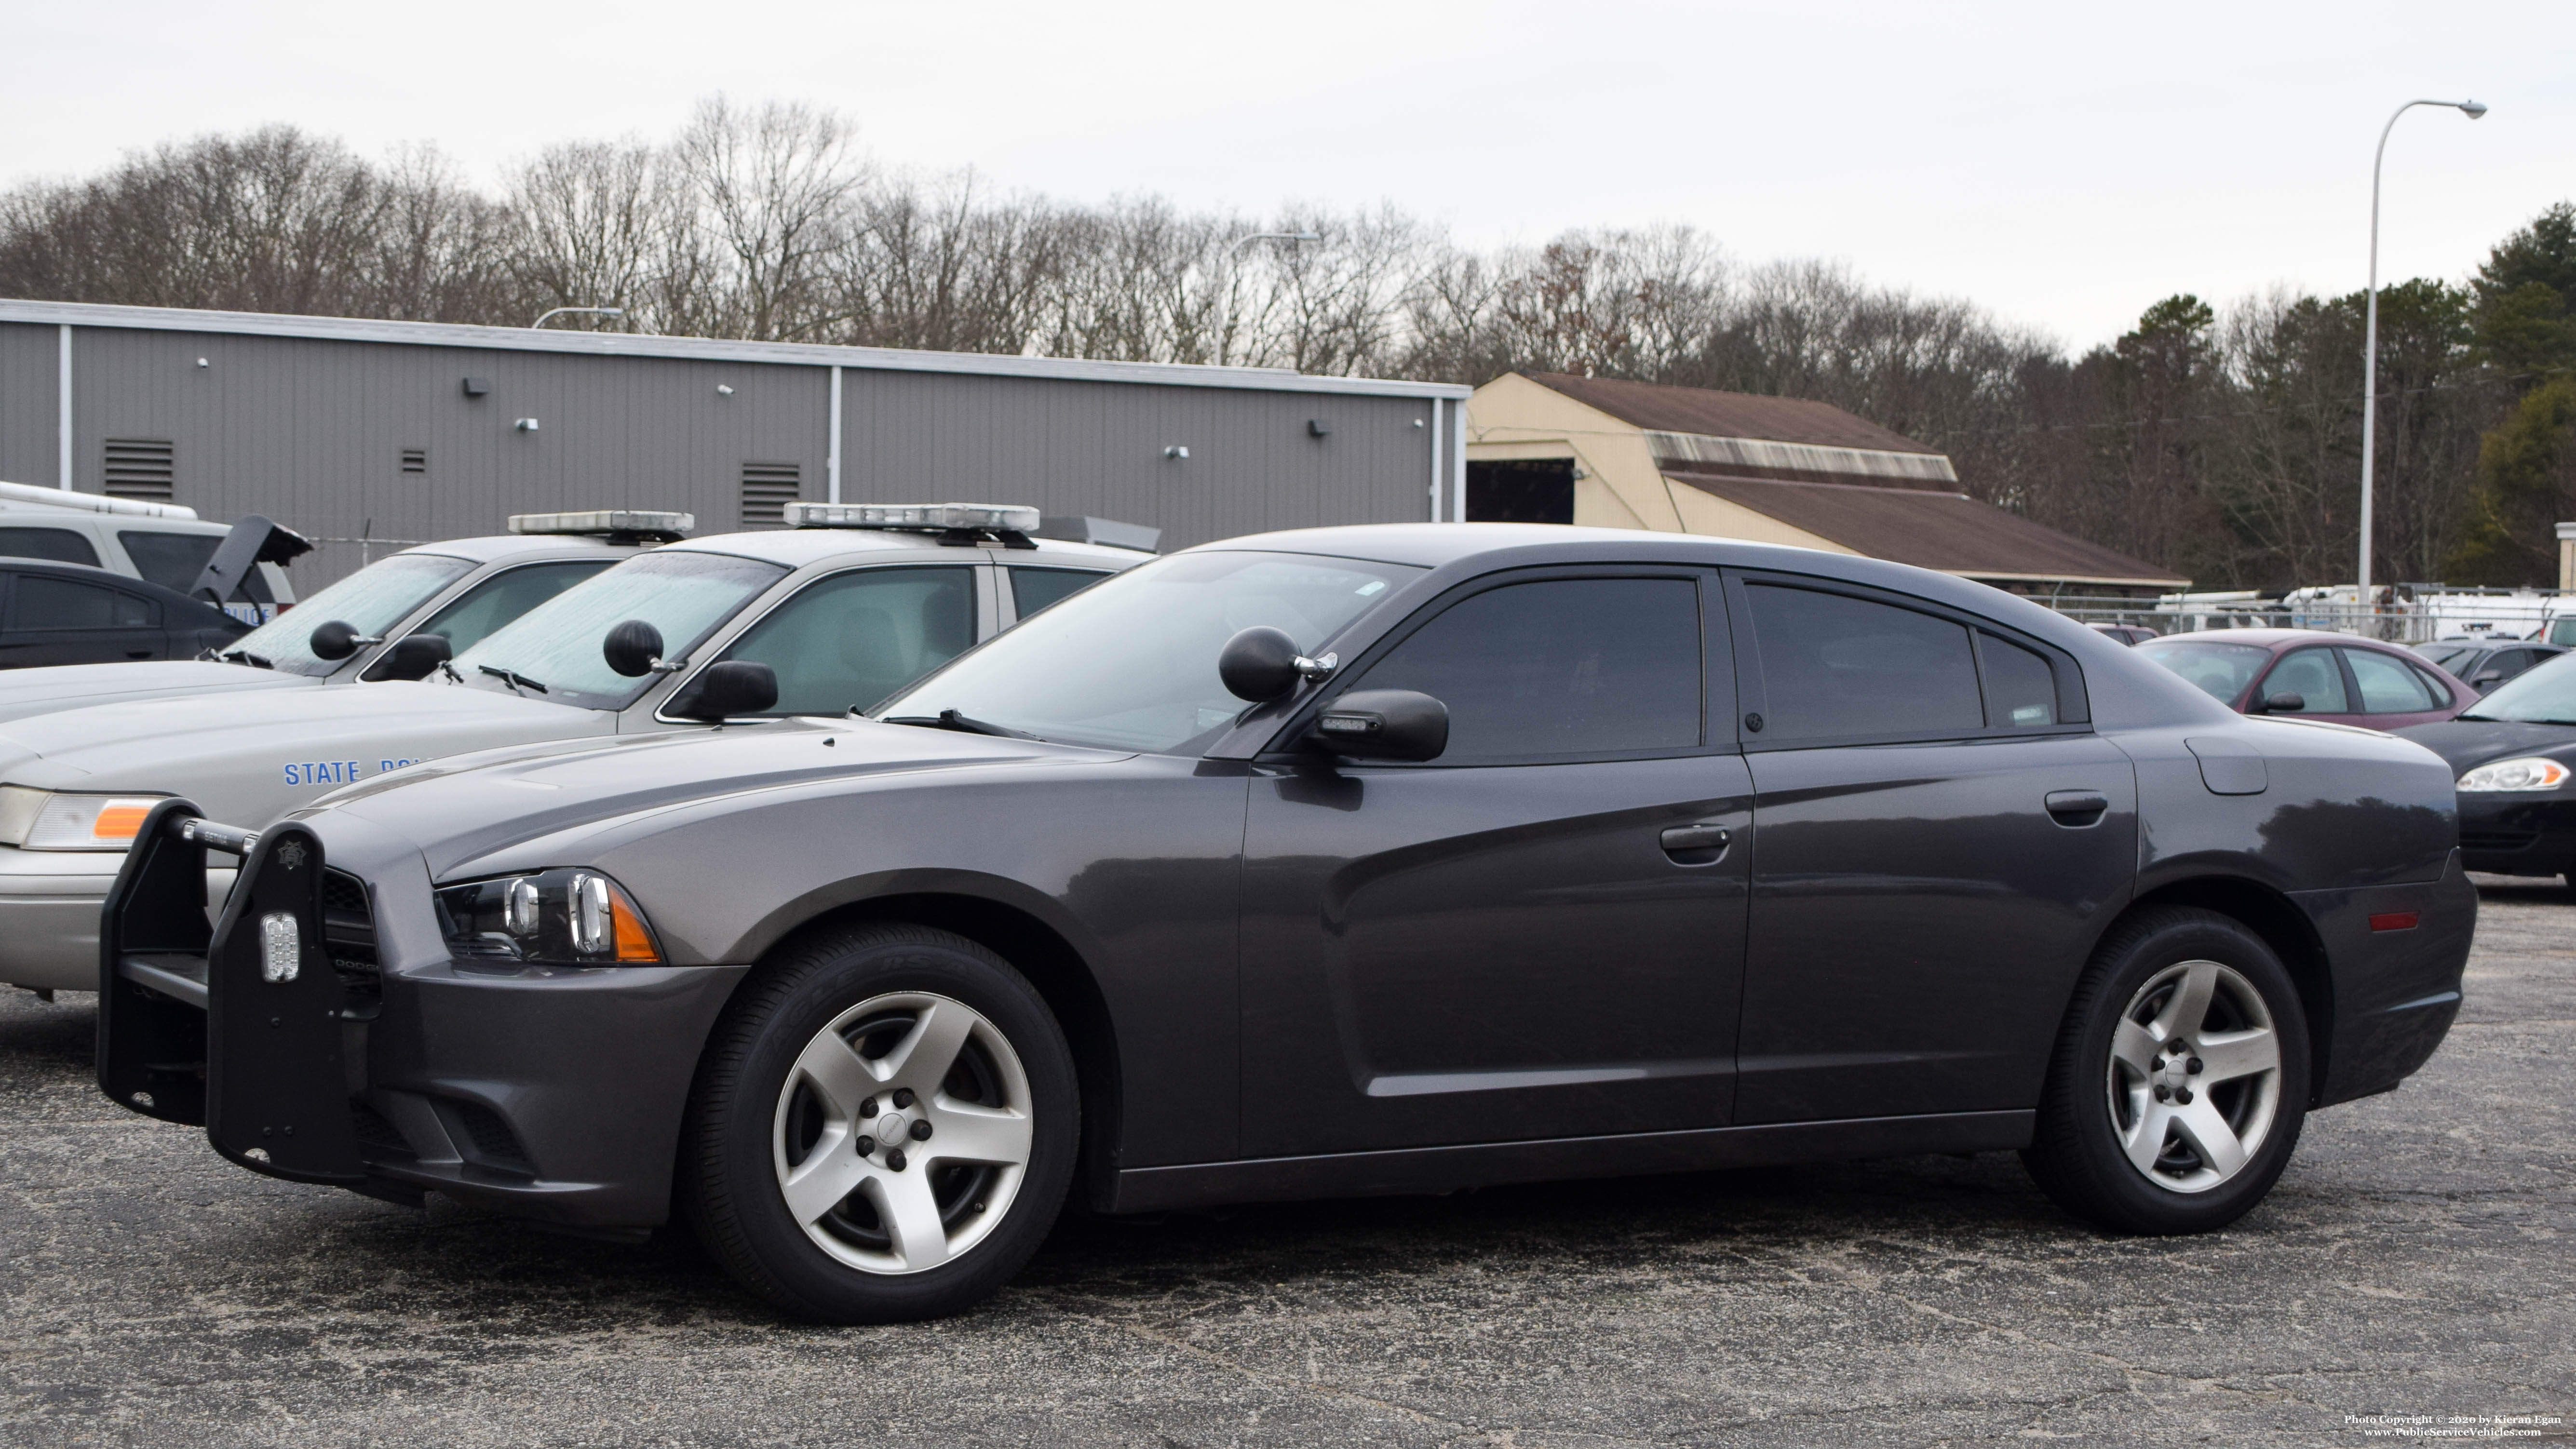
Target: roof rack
[[642, 525], [961, 523]]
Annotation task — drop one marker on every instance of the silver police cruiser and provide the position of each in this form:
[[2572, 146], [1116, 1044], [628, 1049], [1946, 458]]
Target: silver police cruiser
[[834, 613], [394, 619]]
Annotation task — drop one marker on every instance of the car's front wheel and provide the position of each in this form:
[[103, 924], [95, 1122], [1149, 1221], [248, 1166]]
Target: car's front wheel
[[2180, 1079], [883, 1128]]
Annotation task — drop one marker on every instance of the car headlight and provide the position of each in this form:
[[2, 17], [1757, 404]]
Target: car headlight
[[2532, 773], [553, 917], [59, 820]]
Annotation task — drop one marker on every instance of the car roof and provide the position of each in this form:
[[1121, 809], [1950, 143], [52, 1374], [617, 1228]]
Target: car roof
[[494, 547], [87, 574], [798, 547], [15, 512], [2280, 639]]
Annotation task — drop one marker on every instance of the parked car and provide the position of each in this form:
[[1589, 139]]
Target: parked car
[[159, 543], [2485, 662], [71, 614], [2125, 633], [1359, 860], [2514, 753], [2311, 674], [459, 590], [841, 611]]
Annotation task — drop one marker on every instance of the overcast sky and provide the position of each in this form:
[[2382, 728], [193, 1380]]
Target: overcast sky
[[2064, 165]]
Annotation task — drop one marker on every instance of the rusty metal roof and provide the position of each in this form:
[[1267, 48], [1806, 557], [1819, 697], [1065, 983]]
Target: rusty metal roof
[[1931, 529], [1715, 414]]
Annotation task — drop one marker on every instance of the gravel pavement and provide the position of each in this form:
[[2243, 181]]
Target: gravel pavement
[[2419, 1258]]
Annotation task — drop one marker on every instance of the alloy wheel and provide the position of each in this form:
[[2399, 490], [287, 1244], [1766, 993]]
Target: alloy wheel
[[2194, 1076], [903, 1132]]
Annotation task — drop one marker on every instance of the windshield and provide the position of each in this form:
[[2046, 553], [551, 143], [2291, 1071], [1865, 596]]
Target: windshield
[[556, 645], [1130, 663], [371, 601], [2220, 670], [2542, 694]]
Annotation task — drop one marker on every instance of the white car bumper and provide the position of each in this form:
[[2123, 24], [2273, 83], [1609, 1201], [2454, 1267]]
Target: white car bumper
[[49, 907]]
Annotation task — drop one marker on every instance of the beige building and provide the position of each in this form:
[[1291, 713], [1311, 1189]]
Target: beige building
[[1554, 448]]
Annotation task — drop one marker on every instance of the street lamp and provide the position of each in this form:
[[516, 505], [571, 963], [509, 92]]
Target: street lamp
[[582, 311], [2370, 332], [1225, 321]]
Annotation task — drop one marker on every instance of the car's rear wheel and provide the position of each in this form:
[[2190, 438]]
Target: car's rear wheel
[[883, 1128], [2180, 1079]]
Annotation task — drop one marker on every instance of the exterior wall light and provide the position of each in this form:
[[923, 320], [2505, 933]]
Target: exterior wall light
[[525, 425], [1176, 451], [724, 390]]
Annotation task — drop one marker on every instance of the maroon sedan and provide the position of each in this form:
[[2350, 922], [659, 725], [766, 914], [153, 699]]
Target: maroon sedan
[[2313, 675]]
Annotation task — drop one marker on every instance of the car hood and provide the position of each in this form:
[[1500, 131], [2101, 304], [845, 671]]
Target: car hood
[[247, 758], [2465, 744], [461, 811], [77, 686]]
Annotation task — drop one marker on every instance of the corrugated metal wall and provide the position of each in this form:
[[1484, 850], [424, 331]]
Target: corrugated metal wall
[[1098, 448], [312, 431]]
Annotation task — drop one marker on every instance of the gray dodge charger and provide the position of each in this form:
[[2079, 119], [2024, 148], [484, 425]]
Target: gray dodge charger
[[1362, 860]]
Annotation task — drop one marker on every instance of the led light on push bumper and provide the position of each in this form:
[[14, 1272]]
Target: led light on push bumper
[[2524, 774], [47, 820], [553, 917]]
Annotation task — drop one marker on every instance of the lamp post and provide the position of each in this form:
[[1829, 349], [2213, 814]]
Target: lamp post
[[1225, 322], [2370, 332], [577, 311]]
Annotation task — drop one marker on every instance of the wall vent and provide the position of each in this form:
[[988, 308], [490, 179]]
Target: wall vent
[[767, 489], [140, 468], [415, 460]]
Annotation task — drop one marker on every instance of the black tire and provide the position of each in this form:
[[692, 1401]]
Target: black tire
[[742, 1107], [2076, 1154]]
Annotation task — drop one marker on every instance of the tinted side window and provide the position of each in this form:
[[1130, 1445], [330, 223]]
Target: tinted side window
[[172, 560], [852, 639], [49, 603], [2311, 675], [2021, 690], [1559, 669], [503, 597], [1034, 589], [58, 544], [1835, 667], [2387, 685]]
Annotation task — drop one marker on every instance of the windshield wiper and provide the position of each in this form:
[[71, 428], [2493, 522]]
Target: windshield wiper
[[949, 719], [512, 678], [244, 656]]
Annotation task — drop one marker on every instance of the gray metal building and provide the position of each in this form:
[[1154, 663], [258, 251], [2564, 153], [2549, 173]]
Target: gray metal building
[[346, 429]]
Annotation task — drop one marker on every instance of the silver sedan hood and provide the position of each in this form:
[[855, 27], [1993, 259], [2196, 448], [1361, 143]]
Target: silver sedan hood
[[248, 758], [25, 692]]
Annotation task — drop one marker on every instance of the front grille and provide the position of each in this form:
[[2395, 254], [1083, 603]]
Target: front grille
[[349, 933], [2497, 839]]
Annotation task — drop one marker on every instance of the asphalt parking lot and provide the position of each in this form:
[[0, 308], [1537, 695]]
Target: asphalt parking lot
[[2418, 1259]]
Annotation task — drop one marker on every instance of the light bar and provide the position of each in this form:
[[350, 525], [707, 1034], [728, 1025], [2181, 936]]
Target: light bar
[[928, 517], [606, 520]]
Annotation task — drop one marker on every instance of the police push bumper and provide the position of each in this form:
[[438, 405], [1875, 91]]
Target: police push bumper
[[251, 1027]]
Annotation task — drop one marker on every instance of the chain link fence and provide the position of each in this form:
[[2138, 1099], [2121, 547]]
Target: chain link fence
[[2409, 617]]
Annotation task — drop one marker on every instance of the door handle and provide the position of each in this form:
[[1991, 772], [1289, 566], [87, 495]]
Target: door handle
[[2077, 807], [1696, 844]]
